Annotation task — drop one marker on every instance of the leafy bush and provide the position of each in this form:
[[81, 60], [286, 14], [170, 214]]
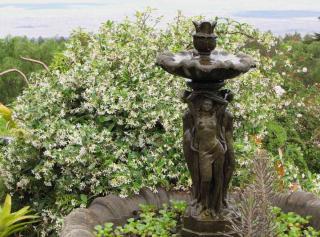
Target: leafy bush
[[292, 225], [13, 222], [161, 223], [276, 137], [298, 61]]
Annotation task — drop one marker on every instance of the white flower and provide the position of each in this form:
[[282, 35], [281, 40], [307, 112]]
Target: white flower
[[287, 103], [299, 115], [279, 91], [123, 195], [82, 152], [283, 73], [48, 184], [304, 69], [92, 148], [23, 182]]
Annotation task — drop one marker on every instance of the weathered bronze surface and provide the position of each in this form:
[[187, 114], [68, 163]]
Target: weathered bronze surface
[[213, 68], [207, 127], [204, 39], [208, 149], [205, 64]]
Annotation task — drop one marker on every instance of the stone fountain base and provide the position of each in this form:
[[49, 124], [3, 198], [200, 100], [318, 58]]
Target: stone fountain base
[[112, 208], [192, 227], [81, 222]]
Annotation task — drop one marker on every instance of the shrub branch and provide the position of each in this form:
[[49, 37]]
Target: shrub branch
[[18, 71], [36, 61]]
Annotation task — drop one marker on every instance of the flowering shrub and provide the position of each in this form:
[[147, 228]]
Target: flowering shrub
[[299, 61], [105, 119]]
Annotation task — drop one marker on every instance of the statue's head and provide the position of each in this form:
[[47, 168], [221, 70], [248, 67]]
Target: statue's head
[[207, 105]]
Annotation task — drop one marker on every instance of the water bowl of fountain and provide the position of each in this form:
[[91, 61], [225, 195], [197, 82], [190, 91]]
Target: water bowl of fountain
[[205, 65]]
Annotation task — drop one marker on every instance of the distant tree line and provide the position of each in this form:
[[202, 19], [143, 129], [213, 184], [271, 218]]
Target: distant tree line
[[11, 49], [317, 35]]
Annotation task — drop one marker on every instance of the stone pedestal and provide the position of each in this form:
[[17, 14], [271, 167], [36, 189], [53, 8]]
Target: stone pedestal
[[193, 227]]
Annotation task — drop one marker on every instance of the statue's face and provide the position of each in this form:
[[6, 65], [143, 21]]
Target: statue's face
[[207, 105]]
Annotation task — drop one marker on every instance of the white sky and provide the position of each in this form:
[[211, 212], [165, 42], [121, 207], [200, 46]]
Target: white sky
[[58, 17], [230, 4]]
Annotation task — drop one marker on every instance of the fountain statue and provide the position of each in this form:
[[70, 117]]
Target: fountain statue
[[207, 127]]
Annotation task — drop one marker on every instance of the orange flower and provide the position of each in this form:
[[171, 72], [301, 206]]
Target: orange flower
[[257, 140]]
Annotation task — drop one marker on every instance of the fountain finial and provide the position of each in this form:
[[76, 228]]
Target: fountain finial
[[204, 27], [204, 40]]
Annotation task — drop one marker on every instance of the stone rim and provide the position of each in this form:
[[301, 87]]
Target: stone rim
[[189, 65]]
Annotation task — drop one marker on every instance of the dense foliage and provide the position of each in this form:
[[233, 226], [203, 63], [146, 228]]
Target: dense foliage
[[298, 60], [149, 222], [105, 120], [11, 48], [293, 225]]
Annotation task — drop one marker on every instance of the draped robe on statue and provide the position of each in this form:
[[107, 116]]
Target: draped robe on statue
[[208, 148]]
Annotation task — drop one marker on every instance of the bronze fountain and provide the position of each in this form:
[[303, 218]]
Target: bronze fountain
[[207, 128]]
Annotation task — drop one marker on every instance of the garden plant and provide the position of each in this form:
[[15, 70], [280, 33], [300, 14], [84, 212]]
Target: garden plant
[[14, 222]]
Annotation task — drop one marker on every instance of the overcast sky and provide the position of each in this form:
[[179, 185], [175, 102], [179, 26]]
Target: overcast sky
[[48, 18]]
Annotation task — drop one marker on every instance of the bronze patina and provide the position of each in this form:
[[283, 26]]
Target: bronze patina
[[207, 127]]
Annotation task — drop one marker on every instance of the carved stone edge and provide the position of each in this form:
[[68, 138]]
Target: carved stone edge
[[302, 203], [167, 61], [81, 221]]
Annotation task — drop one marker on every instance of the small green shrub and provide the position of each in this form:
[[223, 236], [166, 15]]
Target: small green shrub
[[13, 222], [294, 152], [292, 225], [277, 136], [162, 223]]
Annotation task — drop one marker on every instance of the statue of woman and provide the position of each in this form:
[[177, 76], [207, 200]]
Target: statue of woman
[[211, 158], [204, 149]]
